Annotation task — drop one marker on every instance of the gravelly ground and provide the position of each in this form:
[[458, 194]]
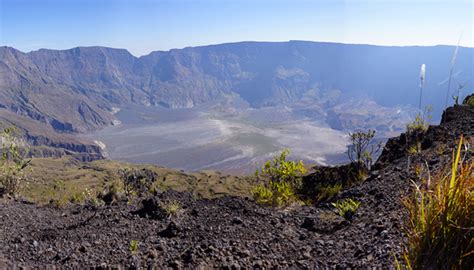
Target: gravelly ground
[[230, 232]]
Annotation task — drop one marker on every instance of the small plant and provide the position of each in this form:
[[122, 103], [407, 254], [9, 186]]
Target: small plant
[[12, 164], [440, 225], [421, 123], [133, 246], [361, 150], [416, 130], [346, 208], [282, 180], [415, 148], [60, 194], [418, 170], [171, 208]]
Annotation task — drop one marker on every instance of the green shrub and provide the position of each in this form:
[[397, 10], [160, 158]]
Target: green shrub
[[282, 180], [262, 194], [12, 164], [440, 225], [281, 170], [274, 194], [346, 208]]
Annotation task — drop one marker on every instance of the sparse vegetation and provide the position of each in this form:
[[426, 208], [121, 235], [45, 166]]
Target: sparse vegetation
[[440, 227], [137, 182], [362, 149], [133, 246], [171, 208], [77, 195], [418, 170], [12, 164], [416, 129], [346, 208], [282, 179], [470, 101], [415, 148], [421, 123], [327, 192]]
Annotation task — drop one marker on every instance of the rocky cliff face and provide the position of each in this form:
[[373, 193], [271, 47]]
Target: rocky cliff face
[[75, 90], [43, 141]]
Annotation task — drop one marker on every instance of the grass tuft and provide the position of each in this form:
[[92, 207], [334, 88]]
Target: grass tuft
[[440, 226]]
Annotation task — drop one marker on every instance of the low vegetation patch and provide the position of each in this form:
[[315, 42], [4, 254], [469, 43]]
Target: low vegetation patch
[[419, 125], [440, 225], [469, 101], [326, 182], [346, 208], [328, 192], [137, 182], [171, 208], [13, 175], [281, 180]]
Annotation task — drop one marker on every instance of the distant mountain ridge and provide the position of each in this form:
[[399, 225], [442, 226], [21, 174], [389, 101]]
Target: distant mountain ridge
[[77, 90]]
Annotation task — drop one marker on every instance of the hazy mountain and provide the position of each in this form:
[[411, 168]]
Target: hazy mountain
[[77, 90]]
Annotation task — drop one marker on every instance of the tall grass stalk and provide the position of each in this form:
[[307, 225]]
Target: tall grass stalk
[[440, 225], [422, 82], [453, 61]]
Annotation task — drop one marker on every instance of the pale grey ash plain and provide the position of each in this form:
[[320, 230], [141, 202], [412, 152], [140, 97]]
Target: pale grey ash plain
[[237, 139]]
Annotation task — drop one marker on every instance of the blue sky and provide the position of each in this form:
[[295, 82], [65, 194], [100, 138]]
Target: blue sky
[[142, 26]]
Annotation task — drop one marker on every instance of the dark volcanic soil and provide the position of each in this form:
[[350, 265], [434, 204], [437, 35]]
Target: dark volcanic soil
[[232, 232]]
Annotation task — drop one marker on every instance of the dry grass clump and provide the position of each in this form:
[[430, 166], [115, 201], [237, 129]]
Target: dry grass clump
[[440, 225]]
